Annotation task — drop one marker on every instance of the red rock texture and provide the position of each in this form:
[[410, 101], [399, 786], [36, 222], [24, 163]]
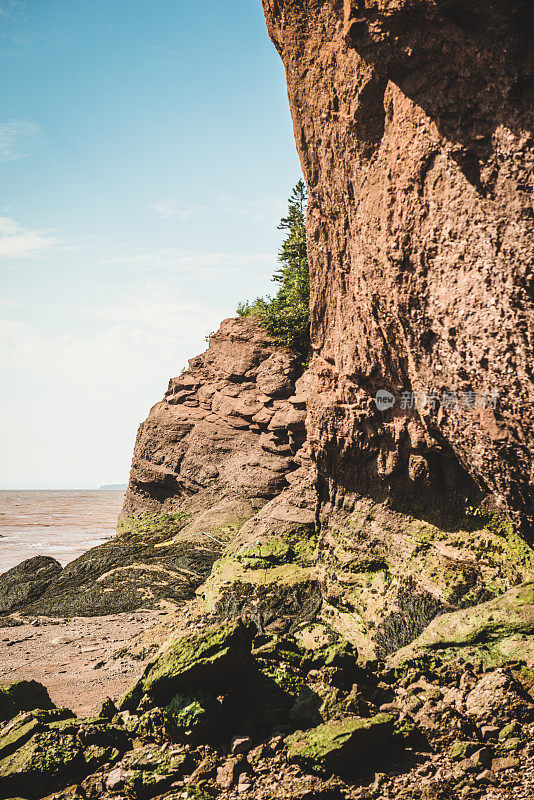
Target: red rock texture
[[413, 121], [227, 432]]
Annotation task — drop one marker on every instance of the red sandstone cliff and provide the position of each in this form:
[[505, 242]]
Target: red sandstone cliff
[[413, 120], [221, 442]]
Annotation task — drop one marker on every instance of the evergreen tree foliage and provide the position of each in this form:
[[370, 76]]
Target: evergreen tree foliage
[[286, 316]]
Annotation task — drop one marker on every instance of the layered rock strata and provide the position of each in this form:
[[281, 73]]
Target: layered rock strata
[[226, 433]]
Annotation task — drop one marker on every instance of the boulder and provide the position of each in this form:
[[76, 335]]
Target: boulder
[[192, 717], [342, 746], [213, 659], [147, 771], [494, 632], [499, 696], [276, 375], [134, 570], [26, 582], [22, 696]]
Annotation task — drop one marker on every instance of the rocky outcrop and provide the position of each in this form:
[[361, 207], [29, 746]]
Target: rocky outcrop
[[225, 435], [413, 123], [341, 745], [221, 467], [143, 565], [215, 660]]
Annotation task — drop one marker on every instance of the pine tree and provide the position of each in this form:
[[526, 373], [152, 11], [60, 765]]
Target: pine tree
[[286, 316]]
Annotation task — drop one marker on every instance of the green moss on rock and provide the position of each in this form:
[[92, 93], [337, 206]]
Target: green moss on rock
[[265, 555], [153, 528], [460, 750], [212, 659], [340, 745], [147, 771], [16, 732], [40, 752]]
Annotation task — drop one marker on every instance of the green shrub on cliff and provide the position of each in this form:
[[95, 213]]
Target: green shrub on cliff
[[286, 315]]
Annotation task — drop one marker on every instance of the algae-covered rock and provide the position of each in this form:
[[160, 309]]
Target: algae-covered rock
[[188, 717], [27, 582], [497, 631], [271, 578], [195, 713], [213, 659], [22, 696], [460, 750], [390, 568], [342, 746], [265, 554], [306, 710], [148, 561], [46, 750], [16, 732], [45, 762]]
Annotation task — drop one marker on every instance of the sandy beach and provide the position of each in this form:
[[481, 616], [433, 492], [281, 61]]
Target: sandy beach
[[83, 660]]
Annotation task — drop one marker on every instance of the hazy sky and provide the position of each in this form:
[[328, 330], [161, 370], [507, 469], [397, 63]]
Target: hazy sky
[[146, 154]]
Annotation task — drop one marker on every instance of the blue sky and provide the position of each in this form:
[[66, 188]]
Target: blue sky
[[146, 155]]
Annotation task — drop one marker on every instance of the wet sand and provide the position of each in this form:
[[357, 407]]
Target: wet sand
[[83, 660]]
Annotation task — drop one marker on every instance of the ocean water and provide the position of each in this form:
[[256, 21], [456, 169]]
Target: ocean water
[[62, 524]]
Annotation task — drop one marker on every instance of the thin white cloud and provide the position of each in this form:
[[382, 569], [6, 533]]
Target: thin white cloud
[[19, 138], [10, 8], [190, 261], [10, 303], [168, 208], [265, 209], [154, 306], [130, 346], [19, 242]]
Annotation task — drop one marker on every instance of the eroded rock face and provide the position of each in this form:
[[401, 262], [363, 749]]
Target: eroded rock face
[[413, 124], [225, 435]]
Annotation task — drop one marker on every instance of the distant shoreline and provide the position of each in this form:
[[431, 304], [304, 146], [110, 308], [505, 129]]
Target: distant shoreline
[[119, 487]]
